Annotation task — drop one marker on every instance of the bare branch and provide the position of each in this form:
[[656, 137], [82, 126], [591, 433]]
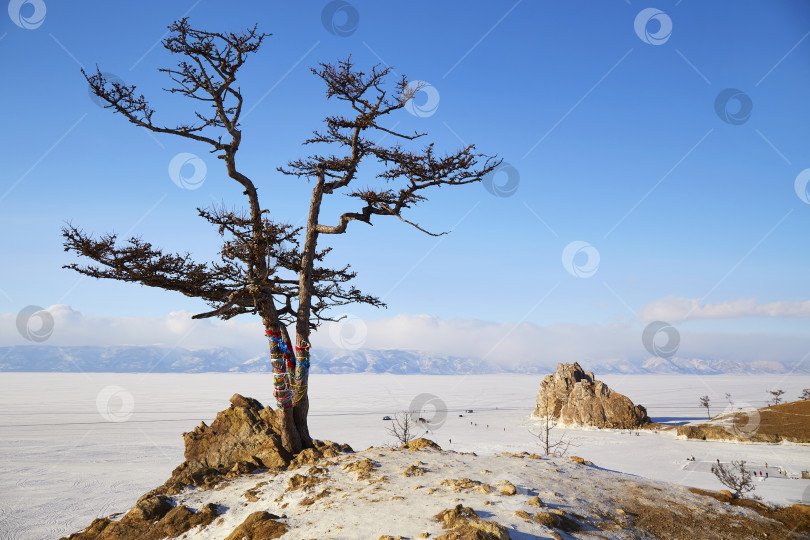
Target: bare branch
[[735, 476]]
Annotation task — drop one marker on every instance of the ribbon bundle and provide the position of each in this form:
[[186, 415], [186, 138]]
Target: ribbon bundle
[[302, 356], [288, 378], [282, 345], [299, 376], [281, 382]]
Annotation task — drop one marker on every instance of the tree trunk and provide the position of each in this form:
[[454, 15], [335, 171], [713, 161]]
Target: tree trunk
[[290, 437], [300, 379], [301, 393]]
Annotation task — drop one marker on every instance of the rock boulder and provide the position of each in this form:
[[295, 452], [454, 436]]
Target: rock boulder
[[573, 396], [241, 439]]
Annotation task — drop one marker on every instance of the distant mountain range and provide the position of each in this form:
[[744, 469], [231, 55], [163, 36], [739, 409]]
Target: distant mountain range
[[156, 359]]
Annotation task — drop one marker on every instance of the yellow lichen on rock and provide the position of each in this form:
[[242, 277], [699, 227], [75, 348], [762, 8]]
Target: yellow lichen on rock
[[362, 468], [420, 444], [464, 522]]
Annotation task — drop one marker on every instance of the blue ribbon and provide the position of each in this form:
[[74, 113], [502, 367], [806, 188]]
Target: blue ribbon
[[282, 345]]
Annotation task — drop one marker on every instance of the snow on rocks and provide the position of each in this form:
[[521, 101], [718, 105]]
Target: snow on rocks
[[225, 490], [365, 495]]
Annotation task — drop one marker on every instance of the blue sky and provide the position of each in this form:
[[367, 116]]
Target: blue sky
[[615, 137]]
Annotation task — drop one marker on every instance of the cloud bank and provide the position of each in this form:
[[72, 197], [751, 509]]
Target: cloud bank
[[675, 309], [509, 344]]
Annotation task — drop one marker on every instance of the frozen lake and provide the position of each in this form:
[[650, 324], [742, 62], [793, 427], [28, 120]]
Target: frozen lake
[[78, 446]]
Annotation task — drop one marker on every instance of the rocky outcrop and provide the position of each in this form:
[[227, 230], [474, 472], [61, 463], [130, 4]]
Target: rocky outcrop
[[259, 526], [153, 518], [242, 439], [464, 522], [573, 396], [772, 424], [419, 444]]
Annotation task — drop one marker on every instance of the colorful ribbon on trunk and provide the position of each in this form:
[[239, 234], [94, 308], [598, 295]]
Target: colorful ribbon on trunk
[[300, 375], [287, 380], [281, 383]]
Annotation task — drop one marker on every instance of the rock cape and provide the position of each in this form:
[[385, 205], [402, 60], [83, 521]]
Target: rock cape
[[573, 396]]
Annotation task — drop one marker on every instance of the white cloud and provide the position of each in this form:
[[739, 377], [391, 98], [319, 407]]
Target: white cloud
[[675, 309], [506, 343], [72, 327]]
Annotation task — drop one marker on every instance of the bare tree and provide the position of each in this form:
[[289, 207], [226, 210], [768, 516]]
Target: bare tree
[[805, 394], [730, 401], [735, 476], [551, 446], [777, 396], [403, 427], [268, 268], [704, 402]]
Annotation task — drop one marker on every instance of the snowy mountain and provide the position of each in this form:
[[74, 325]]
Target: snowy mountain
[[712, 367], [158, 359], [43, 358], [401, 362]]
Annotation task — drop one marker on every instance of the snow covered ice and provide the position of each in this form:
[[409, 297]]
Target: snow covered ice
[[66, 459]]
